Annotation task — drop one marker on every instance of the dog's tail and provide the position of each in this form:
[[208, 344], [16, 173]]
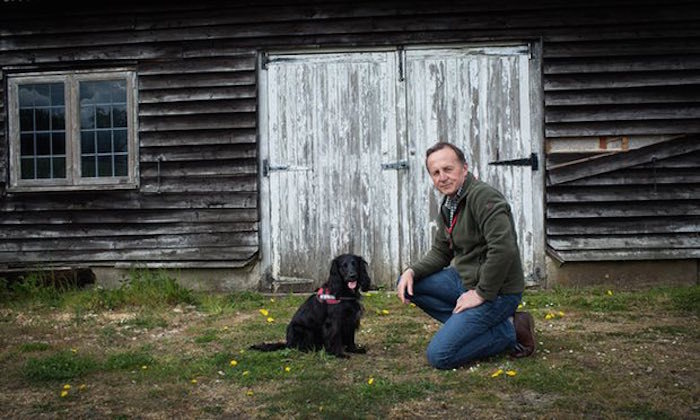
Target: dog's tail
[[269, 346]]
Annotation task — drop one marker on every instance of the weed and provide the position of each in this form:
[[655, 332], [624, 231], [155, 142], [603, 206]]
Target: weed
[[31, 347], [128, 360], [63, 365]]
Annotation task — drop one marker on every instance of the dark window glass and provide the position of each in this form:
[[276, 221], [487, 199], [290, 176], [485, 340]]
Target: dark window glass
[[26, 119], [26, 96], [87, 165], [42, 96], [102, 116], [59, 167], [27, 168], [43, 167], [87, 93], [120, 165], [43, 144], [27, 144], [104, 166], [118, 91], [104, 141], [58, 118], [57, 94], [120, 144], [87, 142], [41, 116], [119, 116], [87, 117], [58, 143]]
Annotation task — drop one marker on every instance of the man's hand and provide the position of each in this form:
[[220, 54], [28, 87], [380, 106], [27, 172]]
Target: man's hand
[[405, 286], [468, 300]]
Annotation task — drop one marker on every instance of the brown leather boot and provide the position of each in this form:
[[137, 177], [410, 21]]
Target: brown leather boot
[[524, 334]]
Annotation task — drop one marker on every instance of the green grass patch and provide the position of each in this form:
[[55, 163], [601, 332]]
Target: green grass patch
[[128, 360], [32, 347], [63, 365]]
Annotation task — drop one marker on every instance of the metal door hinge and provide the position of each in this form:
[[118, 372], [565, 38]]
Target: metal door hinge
[[267, 168], [532, 161], [399, 164]]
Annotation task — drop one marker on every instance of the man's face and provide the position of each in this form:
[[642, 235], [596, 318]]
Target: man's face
[[446, 171]]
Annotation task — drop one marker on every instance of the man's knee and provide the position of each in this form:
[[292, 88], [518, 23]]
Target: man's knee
[[439, 358]]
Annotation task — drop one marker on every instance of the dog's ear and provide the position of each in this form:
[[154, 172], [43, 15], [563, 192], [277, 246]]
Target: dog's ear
[[365, 281], [335, 280]]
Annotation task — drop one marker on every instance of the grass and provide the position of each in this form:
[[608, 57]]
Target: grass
[[152, 346]]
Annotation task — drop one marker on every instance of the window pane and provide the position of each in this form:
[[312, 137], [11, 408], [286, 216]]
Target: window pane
[[119, 116], [26, 119], [43, 144], [104, 141], [26, 96], [104, 165], [27, 168], [27, 145], [59, 167], [42, 95], [58, 143], [87, 93], [87, 117], [43, 168], [57, 94], [58, 118], [87, 142], [102, 115], [120, 141], [118, 91], [120, 165], [87, 166], [41, 116]]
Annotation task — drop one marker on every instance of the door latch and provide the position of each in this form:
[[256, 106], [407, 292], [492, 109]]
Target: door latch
[[399, 164]]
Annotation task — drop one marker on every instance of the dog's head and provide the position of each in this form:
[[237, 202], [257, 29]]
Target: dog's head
[[349, 273]]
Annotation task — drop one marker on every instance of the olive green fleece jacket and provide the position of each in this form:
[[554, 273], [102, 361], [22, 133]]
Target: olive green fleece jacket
[[483, 246]]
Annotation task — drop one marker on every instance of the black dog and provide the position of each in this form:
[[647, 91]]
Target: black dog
[[329, 318]]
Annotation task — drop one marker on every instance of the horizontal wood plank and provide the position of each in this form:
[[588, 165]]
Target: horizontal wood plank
[[218, 184], [132, 255], [646, 176], [237, 219], [658, 241], [578, 210], [198, 65], [198, 153], [616, 65], [622, 128], [198, 122], [226, 106], [655, 95], [179, 81], [666, 112], [197, 94], [620, 80], [628, 254], [640, 194], [200, 168], [623, 226], [151, 139]]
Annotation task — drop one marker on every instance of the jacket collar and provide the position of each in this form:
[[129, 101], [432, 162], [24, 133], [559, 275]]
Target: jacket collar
[[469, 181]]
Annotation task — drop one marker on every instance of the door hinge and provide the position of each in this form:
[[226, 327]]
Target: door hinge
[[398, 165], [532, 161], [267, 168]]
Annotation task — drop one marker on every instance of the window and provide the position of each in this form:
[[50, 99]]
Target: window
[[72, 131]]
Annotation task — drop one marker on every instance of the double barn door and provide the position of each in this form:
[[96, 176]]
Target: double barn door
[[343, 140]]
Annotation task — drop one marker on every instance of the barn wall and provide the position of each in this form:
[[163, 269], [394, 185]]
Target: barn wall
[[628, 71]]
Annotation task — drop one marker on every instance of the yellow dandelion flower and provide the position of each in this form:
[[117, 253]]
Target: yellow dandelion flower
[[66, 386], [246, 372], [385, 312], [144, 367], [497, 373], [82, 387], [610, 292], [549, 316], [233, 363], [226, 328], [74, 350], [413, 305], [287, 369], [561, 313], [272, 300], [194, 381], [64, 394], [511, 373], [242, 351], [270, 319], [520, 306], [264, 312], [370, 381], [249, 393]]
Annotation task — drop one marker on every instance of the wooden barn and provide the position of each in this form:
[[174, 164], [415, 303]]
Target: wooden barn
[[244, 144]]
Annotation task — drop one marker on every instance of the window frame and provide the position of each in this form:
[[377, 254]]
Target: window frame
[[71, 84]]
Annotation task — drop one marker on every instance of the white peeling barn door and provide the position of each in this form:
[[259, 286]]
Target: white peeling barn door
[[482, 100], [343, 147], [330, 126]]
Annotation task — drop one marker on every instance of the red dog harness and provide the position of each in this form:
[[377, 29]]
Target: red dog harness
[[324, 296]]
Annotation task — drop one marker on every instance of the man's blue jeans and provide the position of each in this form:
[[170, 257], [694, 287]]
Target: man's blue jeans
[[472, 334]]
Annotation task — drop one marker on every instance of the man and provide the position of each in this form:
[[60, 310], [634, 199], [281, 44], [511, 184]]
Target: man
[[477, 296]]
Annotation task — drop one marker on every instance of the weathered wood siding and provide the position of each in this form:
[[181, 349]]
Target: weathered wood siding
[[610, 68]]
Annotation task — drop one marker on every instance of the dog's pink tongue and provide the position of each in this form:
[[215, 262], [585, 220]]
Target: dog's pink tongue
[[352, 284]]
